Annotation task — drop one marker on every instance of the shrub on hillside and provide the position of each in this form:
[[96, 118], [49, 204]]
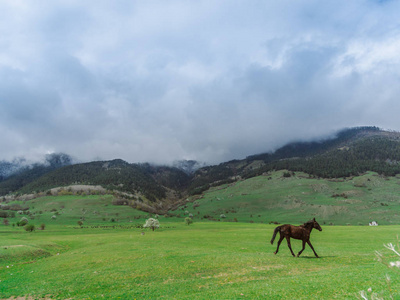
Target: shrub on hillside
[[118, 201], [42, 226], [188, 221], [23, 221], [30, 227], [152, 223]]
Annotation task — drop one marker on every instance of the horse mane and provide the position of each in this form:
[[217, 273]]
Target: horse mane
[[308, 223]]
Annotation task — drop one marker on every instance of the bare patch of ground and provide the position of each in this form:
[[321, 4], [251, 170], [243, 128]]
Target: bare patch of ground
[[79, 187]]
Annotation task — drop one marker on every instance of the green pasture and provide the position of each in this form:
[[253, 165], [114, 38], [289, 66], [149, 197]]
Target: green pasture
[[263, 199], [276, 198], [206, 260], [229, 257], [69, 209]]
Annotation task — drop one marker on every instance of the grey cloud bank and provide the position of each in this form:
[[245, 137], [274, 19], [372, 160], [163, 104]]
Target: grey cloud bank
[[206, 80]]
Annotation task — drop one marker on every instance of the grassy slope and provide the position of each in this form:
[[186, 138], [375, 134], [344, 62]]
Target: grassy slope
[[200, 261], [299, 198], [69, 209], [263, 199], [207, 259]]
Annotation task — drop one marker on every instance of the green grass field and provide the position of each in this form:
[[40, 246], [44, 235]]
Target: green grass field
[[215, 257], [273, 197], [206, 260]]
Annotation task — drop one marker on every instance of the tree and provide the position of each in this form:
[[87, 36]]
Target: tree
[[152, 223], [188, 221]]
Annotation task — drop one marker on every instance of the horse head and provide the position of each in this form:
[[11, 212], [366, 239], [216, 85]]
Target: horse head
[[316, 225]]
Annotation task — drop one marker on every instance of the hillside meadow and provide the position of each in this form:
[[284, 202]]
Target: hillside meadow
[[224, 254], [299, 197], [206, 260]]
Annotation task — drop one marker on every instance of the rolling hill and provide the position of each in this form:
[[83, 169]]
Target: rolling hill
[[352, 152], [281, 196]]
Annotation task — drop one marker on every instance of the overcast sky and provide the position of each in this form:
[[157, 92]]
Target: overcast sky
[[158, 81]]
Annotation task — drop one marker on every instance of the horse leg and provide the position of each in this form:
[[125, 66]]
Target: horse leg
[[290, 247], [309, 243], [304, 245], [279, 243]]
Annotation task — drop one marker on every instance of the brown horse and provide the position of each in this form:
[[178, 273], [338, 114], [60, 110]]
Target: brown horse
[[301, 232]]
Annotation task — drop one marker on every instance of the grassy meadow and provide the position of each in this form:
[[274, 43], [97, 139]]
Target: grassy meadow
[[111, 257], [206, 260], [276, 198]]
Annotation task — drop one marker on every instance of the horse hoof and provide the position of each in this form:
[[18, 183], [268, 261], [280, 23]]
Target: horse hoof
[[275, 253]]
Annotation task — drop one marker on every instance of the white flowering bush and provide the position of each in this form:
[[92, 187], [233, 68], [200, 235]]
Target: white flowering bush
[[152, 223], [23, 221], [222, 216]]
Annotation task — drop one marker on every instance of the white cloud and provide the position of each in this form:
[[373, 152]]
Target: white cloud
[[165, 80]]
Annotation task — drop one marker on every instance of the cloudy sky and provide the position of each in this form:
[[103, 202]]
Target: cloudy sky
[[210, 80]]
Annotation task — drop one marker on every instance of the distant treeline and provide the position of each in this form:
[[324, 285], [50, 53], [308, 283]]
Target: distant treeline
[[112, 175], [352, 152], [379, 155]]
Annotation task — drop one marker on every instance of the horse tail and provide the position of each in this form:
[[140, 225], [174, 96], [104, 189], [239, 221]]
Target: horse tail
[[275, 232]]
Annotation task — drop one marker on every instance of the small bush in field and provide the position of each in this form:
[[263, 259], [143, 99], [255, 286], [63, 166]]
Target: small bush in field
[[42, 226], [30, 227], [80, 223], [188, 221]]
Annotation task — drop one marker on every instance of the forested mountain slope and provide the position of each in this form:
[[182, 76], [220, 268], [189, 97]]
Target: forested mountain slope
[[351, 152]]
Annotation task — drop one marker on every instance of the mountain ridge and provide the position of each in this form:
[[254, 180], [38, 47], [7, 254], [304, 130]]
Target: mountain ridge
[[352, 151]]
